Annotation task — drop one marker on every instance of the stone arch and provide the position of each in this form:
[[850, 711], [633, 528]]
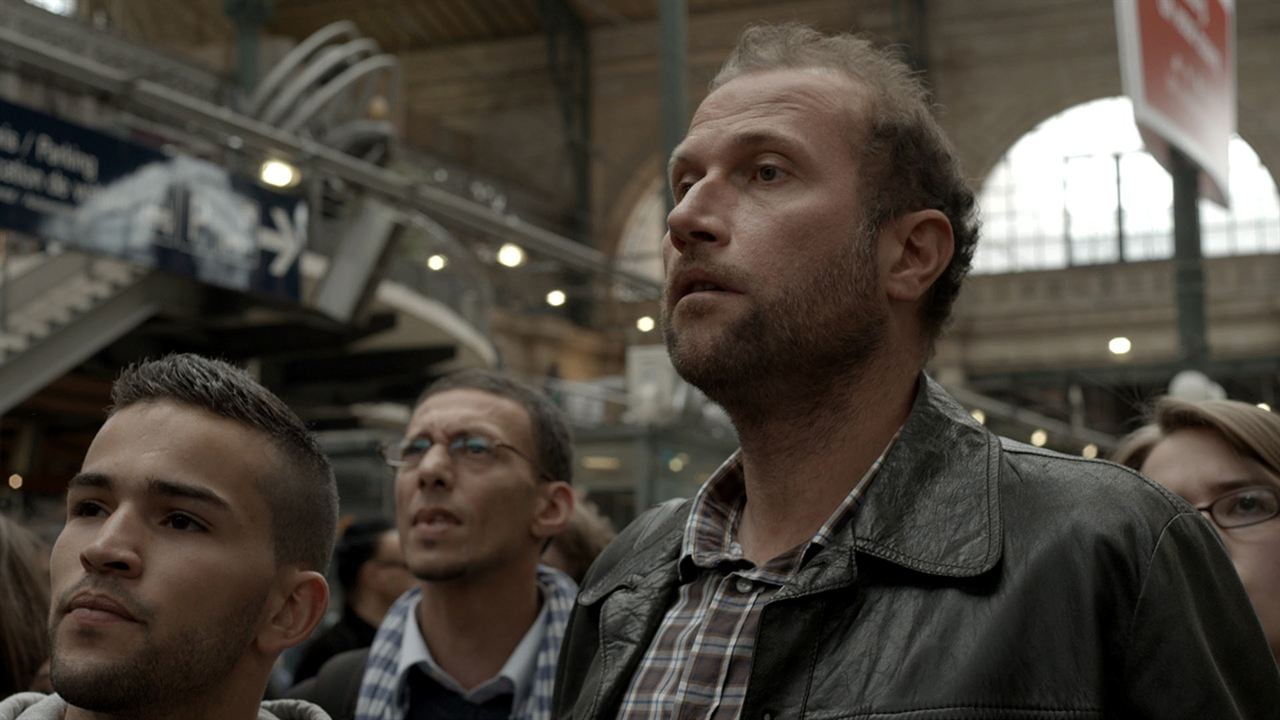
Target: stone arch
[[639, 183], [1007, 123], [1024, 206]]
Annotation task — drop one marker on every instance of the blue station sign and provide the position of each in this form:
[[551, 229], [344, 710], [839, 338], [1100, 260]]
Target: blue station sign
[[64, 183]]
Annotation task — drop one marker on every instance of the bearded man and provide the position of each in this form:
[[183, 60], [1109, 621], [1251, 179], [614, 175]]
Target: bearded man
[[198, 531], [871, 551]]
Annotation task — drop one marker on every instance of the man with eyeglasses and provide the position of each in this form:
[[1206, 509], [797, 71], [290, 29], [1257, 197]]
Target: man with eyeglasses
[[482, 484]]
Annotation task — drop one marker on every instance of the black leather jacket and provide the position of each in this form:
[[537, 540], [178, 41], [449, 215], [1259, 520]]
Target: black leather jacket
[[982, 578]]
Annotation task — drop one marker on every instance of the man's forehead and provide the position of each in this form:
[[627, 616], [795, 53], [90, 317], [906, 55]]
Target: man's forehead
[[778, 105], [468, 407], [763, 93], [172, 449]]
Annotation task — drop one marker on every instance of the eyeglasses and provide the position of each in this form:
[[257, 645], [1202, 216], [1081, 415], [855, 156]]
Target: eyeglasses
[[1242, 508], [475, 452]]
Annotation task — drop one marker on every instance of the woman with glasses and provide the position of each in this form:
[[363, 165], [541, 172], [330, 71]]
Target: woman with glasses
[[1223, 457]]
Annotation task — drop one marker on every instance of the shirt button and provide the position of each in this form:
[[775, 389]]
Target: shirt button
[[743, 585]]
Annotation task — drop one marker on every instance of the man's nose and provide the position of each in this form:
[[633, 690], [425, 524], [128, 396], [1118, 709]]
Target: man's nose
[[117, 547], [435, 468], [699, 216]]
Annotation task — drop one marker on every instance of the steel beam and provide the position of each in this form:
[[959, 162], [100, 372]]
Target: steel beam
[[1188, 265], [249, 17], [221, 123], [673, 23], [569, 58]]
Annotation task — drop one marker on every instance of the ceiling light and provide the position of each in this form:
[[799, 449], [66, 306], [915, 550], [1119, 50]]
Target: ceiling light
[[676, 464], [1264, 406], [437, 262], [1090, 451], [511, 255], [15, 481], [978, 415], [601, 462], [645, 324], [556, 298], [1119, 345], [1039, 438], [278, 173]]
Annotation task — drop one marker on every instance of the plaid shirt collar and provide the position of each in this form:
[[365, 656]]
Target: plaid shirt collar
[[710, 534], [384, 688]]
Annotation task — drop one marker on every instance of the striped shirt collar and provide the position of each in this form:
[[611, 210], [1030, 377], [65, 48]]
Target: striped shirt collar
[[515, 677], [384, 690]]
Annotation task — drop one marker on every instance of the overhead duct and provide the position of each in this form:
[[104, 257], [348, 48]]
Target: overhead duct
[[325, 88], [366, 240]]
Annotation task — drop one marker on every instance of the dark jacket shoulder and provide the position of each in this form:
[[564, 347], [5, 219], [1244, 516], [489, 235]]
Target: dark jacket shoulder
[[336, 687], [651, 539]]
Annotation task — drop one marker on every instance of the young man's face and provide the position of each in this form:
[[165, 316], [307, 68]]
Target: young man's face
[[161, 574], [468, 515], [768, 267]]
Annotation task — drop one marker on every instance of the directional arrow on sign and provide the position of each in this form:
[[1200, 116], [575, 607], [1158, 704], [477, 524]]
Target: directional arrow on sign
[[285, 239]]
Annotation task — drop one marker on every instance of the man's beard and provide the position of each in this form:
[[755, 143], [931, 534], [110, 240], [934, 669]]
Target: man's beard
[[794, 348], [169, 674]]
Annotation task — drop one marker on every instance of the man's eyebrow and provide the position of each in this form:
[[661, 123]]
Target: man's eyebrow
[[90, 480], [170, 488], [750, 140], [758, 138], [676, 157], [453, 431]]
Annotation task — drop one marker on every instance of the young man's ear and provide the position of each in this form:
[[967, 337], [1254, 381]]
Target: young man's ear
[[296, 608], [915, 250], [555, 508]]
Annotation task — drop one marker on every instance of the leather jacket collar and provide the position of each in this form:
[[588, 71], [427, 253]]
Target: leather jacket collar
[[934, 508]]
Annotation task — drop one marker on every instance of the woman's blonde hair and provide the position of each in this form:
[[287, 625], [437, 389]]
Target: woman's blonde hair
[[24, 607], [1250, 430]]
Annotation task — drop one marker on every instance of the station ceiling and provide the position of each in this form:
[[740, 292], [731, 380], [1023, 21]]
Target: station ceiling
[[397, 25]]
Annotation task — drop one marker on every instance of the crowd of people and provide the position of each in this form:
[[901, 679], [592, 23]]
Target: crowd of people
[[869, 551]]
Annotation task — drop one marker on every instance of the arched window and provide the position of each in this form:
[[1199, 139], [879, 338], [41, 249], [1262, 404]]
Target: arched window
[[640, 249], [1079, 190]]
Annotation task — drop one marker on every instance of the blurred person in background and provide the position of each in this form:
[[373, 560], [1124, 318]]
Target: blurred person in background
[[573, 550], [1223, 457], [197, 533], [372, 574], [24, 607], [482, 485]]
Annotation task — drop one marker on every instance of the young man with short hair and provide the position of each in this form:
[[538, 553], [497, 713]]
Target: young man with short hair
[[198, 531]]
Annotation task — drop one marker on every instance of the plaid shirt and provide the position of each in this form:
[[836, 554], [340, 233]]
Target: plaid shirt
[[384, 690], [699, 662]]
